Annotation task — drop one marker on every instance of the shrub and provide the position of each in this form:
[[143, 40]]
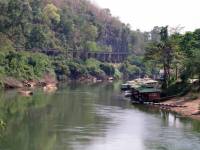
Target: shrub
[[130, 71], [108, 69], [93, 67], [24, 65], [76, 70], [117, 74]]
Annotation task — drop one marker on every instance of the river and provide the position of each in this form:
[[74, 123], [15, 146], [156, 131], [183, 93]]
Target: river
[[90, 117]]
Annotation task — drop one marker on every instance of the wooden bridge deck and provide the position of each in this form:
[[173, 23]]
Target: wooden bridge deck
[[114, 57]]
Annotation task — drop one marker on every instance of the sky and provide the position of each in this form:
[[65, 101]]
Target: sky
[[145, 14]]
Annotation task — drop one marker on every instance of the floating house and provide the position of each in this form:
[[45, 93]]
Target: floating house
[[145, 94], [143, 90]]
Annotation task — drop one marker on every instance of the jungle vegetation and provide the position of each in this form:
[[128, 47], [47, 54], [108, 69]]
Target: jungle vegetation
[[28, 26], [177, 55]]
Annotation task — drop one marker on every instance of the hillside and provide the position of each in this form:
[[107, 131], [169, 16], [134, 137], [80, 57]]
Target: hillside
[[64, 25], [27, 26]]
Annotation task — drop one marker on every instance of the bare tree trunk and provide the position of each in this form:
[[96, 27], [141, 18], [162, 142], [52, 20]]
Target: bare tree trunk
[[176, 73], [165, 76], [199, 80]]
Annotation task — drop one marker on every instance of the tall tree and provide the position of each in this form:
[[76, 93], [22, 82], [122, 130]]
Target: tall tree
[[162, 52]]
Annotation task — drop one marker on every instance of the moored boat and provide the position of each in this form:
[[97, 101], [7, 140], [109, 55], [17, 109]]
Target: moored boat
[[142, 90]]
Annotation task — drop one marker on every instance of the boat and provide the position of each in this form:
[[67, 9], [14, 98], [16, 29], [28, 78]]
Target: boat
[[127, 93], [142, 89], [125, 87]]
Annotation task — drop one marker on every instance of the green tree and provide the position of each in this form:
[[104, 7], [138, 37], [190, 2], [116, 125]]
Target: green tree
[[162, 52], [5, 43], [92, 46], [90, 32], [51, 13]]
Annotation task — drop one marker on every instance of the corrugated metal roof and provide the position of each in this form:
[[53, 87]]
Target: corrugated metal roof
[[148, 90]]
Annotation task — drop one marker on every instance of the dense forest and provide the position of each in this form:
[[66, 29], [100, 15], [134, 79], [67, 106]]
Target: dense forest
[[63, 25], [29, 26]]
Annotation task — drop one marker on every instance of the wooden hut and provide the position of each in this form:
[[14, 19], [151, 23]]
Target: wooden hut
[[145, 94]]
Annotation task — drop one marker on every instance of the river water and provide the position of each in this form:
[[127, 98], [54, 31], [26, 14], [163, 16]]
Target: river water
[[90, 117]]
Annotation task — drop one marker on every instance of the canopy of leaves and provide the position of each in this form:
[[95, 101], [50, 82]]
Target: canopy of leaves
[[23, 65], [65, 25], [51, 13]]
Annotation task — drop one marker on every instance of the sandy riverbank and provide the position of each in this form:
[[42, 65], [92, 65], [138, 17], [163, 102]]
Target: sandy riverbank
[[191, 108]]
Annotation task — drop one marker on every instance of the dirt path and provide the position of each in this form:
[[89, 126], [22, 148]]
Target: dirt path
[[191, 109]]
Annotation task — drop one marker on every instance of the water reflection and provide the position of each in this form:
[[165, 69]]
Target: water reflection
[[91, 117]]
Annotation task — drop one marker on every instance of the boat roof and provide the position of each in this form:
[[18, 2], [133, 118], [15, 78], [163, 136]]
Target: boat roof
[[148, 90], [142, 81], [125, 84], [131, 82], [135, 86], [150, 81]]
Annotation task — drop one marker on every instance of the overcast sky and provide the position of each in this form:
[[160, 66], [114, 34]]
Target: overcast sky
[[145, 14]]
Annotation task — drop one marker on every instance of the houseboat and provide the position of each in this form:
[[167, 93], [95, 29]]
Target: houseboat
[[143, 90], [145, 94]]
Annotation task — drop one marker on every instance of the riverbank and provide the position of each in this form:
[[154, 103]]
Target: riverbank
[[48, 83], [190, 109], [187, 105]]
